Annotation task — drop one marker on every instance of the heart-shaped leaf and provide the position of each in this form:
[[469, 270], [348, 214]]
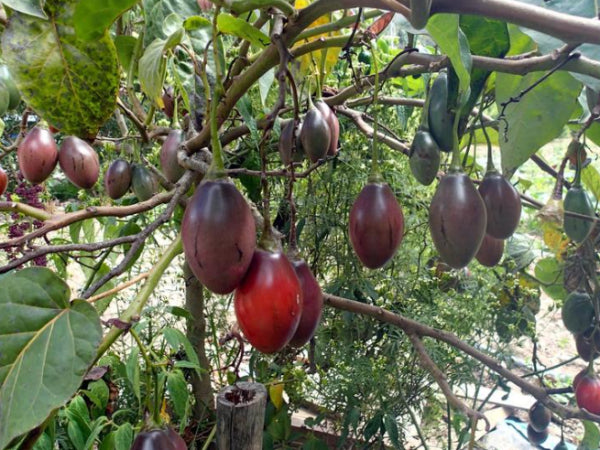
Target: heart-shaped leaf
[[46, 347], [71, 83]]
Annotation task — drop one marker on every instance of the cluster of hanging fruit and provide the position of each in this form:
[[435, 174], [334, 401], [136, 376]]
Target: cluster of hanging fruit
[[277, 300], [121, 175], [464, 222], [315, 136], [38, 155]]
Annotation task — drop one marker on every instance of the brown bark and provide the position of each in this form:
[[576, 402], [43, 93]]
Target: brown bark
[[196, 333]]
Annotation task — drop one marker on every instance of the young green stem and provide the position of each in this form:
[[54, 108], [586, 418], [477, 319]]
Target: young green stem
[[577, 180], [138, 303], [375, 175]]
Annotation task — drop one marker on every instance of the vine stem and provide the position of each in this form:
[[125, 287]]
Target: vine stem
[[138, 303]]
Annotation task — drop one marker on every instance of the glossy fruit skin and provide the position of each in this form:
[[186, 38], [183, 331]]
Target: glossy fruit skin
[[424, 157], [577, 201], [539, 417], [268, 302], [3, 181], [536, 437], [562, 445], [37, 155], [457, 219], [440, 119], [159, 440], [490, 252], [117, 179], [587, 393], [168, 156], [376, 225], [577, 312], [587, 344], [577, 378], [79, 161], [143, 183], [312, 304], [503, 205], [13, 91], [315, 135], [334, 126], [219, 235]]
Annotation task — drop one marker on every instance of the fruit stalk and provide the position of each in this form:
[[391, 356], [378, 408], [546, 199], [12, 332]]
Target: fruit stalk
[[375, 175]]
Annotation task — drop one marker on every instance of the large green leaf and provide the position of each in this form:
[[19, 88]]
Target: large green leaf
[[445, 31], [93, 18], [487, 37], [71, 83], [228, 24], [591, 436], [31, 7], [46, 347], [557, 94], [550, 273], [153, 64]]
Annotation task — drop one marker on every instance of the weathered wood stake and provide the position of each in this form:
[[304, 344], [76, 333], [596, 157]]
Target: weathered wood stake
[[241, 416]]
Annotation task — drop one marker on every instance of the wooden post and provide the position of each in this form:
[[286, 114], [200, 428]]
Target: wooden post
[[241, 416]]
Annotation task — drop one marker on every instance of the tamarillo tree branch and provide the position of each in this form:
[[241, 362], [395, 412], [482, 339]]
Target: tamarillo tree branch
[[65, 248], [56, 222], [182, 187], [414, 328], [119, 288]]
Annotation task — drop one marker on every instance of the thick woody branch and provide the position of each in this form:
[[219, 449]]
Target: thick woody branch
[[413, 327]]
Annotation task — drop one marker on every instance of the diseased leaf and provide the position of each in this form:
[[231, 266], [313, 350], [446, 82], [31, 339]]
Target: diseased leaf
[[94, 18], [228, 24], [46, 347], [71, 83], [558, 94], [30, 7]]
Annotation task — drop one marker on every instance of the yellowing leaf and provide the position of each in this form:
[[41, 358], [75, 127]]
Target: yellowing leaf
[[554, 238], [276, 395], [311, 61]]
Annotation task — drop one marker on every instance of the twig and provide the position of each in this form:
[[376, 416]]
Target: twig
[[442, 382], [61, 221], [41, 251], [182, 186], [280, 173], [136, 121], [118, 288]]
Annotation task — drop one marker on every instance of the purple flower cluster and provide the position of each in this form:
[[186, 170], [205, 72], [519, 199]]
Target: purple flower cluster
[[29, 194]]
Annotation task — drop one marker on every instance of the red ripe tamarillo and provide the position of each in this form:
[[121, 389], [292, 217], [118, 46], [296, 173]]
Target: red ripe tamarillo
[[219, 235], [3, 181], [268, 302], [37, 155], [312, 304], [79, 161], [376, 225], [587, 393]]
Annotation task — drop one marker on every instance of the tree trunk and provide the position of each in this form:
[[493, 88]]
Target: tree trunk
[[196, 333], [241, 416]]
